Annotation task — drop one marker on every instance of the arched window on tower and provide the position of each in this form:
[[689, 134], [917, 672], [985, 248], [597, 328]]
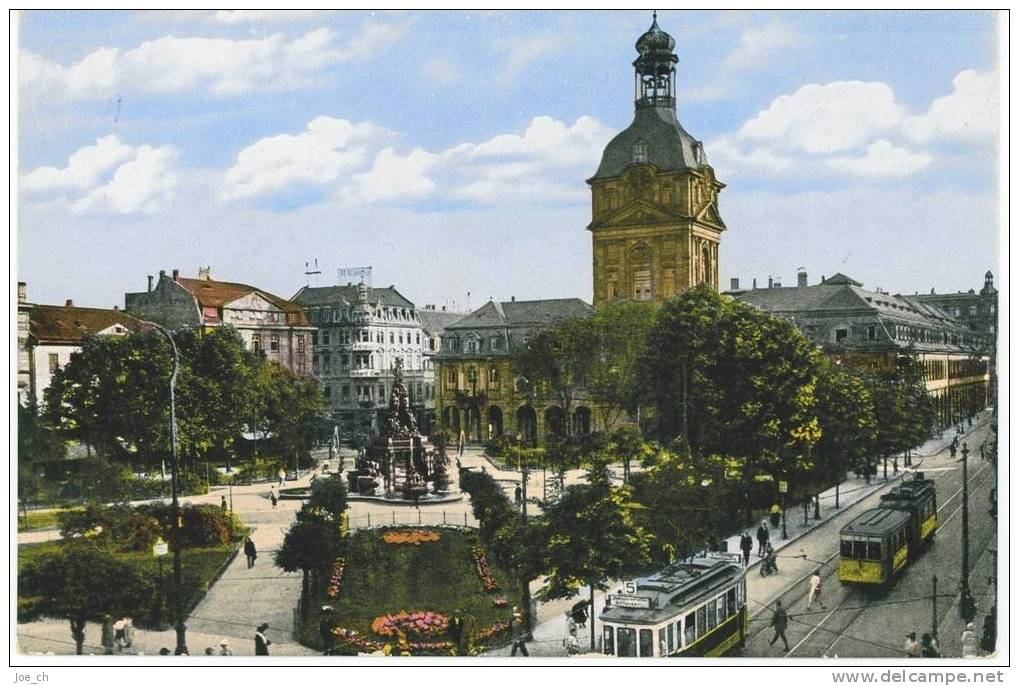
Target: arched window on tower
[[704, 265], [640, 270], [640, 152]]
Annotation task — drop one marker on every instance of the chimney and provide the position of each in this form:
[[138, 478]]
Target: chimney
[[150, 283], [203, 273], [801, 279], [755, 284], [771, 283], [176, 274], [69, 303], [162, 273], [22, 298], [443, 308], [778, 284], [823, 278], [513, 298], [733, 284]]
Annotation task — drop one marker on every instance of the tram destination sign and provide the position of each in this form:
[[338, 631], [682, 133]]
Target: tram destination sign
[[634, 601]]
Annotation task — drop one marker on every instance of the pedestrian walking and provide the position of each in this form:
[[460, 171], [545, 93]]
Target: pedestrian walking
[[222, 503], [224, 647], [776, 515], [967, 605], [461, 442], [108, 635], [249, 551], [571, 644], [762, 538], [779, 621], [262, 643], [912, 647], [519, 633], [456, 632], [929, 646], [969, 642], [273, 498], [990, 635], [120, 633], [282, 474], [815, 592], [325, 629], [518, 496], [746, 544]]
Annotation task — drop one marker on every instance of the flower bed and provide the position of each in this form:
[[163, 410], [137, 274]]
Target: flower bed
[[356, 641], [500, 602], [413, 537], [488, 633], [484, 571], [333, 590], [418, 623]]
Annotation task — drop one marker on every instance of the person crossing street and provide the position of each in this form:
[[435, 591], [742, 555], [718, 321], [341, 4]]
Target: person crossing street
[[780, 621], [815, 590]]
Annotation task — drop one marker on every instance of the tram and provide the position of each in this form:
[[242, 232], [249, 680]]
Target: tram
[[876, 546], [694, 609]]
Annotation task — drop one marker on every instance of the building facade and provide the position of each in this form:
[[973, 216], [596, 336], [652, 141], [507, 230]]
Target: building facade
[[267, 323], [54, 333], [978, 311], [433, 324], [874, 330], [24, 354], [478, 391], [655, 224], [361, 332]]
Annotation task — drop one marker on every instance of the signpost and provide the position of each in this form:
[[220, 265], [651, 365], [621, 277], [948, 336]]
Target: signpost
[[159, 550]]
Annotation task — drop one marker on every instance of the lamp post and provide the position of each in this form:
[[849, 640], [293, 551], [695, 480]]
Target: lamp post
[[159, 549], [934, 612], [966, 598], [178, 610], [783, 488]]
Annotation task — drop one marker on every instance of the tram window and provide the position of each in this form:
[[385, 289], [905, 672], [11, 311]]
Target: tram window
[[732, 601], [873, 550], [710, 610], [627, 639], [647, 643], [860, 550], [609, 644], [671, 642], [701, 621], [721, 608], [846, 548], [689, 633], [663, 647]]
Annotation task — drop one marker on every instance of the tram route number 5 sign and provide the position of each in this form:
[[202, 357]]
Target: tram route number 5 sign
[[629, 597]]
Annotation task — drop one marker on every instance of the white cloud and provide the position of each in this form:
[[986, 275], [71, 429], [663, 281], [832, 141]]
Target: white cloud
[[827, 118], [358, 164], [220, 65], [84, 167], [146, 184], [523, 51], [969, 113], [759, 45], [111, 177], [261, 16], [883, 158], [441, 71], [318, 155]]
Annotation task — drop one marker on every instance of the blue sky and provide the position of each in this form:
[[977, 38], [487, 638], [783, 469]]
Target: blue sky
[[449, 149]]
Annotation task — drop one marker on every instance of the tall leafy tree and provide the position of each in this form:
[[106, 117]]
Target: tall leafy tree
[[593, 537], [845, 412], [37, 445], [620, 329], [311, 545], [81, 582]]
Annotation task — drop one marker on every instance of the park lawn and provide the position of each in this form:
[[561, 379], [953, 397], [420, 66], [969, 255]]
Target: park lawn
[[383, 578], [199, 567], [38, 519]]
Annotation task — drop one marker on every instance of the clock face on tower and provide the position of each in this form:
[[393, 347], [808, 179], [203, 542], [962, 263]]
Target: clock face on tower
[[640, 182]]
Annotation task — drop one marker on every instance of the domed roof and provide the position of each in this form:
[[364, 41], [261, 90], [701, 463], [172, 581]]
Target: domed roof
[[668, 146], [654, 39]]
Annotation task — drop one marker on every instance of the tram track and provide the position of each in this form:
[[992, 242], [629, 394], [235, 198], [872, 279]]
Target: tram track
[[796, 590], [862, 607]]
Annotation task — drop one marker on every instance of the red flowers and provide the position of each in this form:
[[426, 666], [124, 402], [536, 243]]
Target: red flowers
[[421, 623], [414, 537], [333, 590], [484, 571], [491, 632], [500, 602]]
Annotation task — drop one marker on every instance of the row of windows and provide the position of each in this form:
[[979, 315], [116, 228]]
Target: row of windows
[[324, 362], [962, 368], [274, 342], [471, 376], [344, 337], [475, 344], [346, 314], [366, 392], [626, 642]]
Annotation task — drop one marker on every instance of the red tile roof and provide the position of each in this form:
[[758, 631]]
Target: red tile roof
[[211, 293], [69, 324]]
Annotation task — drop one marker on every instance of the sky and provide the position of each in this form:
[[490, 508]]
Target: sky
[[449, 150]]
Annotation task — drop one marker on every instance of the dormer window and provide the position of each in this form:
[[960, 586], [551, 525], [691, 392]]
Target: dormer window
[[640, 152]]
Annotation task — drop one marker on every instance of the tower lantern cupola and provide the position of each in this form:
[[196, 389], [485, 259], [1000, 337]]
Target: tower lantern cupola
[[655, 68]]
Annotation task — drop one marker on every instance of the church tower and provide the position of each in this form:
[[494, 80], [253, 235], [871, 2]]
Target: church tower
[[654, 225]]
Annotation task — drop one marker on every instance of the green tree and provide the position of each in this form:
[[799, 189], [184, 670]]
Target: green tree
[[329, 496], [620, 329], [287, 407], [37, 445], [311, 545], [593, 537], [81, 582], [845, 412]]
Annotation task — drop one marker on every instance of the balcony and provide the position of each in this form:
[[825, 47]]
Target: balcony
[[364, 373], [363, 346]]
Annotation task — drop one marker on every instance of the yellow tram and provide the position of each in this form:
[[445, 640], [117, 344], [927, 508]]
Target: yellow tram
[[876, 546], [691, 609]]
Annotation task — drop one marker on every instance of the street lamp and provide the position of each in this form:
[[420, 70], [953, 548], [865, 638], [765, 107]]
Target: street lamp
[[178, 611], [966, 599]]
